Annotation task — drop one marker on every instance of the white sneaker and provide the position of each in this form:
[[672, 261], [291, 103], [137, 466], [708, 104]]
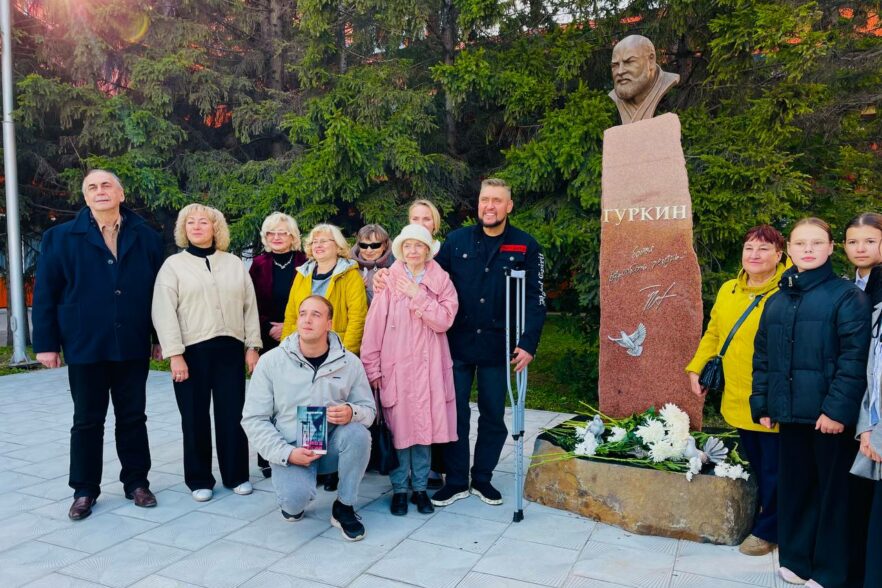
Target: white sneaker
[[790, 577], [244, 488], [203, 494]]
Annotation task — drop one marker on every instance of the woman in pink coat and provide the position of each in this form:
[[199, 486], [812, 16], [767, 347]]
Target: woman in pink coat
[[406, 357]]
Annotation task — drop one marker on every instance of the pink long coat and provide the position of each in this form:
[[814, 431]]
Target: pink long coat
[[405, 344]]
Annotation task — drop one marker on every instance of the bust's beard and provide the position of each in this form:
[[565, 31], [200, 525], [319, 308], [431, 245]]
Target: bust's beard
[[637, 86]]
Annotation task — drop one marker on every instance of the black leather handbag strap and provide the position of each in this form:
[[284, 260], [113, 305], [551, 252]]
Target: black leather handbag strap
[[741, 320], [379, 417]]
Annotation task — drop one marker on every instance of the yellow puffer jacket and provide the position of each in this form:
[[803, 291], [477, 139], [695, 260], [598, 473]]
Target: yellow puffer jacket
[[732, 300], [345, 292]]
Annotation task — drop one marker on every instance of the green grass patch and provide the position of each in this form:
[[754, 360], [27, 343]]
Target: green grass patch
[[6, 356]]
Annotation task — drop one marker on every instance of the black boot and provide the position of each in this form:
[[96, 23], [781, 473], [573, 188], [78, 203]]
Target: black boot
[[399, 504], [422, 502]]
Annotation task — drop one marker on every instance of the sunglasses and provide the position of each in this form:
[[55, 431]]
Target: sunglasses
[[369, 245]]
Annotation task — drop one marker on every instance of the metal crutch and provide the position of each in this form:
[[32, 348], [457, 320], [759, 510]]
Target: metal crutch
[[517, 403]]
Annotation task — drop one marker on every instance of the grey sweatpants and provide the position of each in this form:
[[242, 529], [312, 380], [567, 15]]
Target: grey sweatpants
[[349, 449]]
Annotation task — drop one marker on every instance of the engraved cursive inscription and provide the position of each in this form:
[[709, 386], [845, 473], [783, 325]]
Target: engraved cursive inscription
[[637, 268], [641, 251]]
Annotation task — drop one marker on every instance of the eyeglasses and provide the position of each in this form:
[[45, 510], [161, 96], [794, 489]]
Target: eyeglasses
[[274, 234], [369, 245], [322, 242]]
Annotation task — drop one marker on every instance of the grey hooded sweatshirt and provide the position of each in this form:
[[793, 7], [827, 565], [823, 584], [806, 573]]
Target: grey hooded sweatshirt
[[284, 380]]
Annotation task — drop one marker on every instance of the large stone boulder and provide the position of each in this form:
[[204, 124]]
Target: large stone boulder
[[645, 501]]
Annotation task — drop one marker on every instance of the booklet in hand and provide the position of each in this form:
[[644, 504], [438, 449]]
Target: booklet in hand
[[313, 428]]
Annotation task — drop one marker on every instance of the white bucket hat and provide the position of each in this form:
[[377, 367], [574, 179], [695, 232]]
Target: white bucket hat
[[417, 233]]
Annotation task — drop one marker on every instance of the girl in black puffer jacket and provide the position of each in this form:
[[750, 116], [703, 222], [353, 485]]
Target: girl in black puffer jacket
[[809, 375]]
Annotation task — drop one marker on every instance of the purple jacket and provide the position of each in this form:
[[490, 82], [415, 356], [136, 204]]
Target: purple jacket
[[262, 275]]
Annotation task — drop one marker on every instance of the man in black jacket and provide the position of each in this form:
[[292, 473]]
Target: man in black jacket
[[477, 259], [92, 299]]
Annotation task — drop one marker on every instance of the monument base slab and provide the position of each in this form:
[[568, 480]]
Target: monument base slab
[[645, 501]]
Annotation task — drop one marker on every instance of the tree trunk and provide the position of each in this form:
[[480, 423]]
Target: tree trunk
[[277, 67], [449, 16], [341, 37]]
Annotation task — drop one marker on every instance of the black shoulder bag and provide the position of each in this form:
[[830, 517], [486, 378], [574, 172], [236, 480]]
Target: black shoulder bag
[[712, 378], [383, 458]]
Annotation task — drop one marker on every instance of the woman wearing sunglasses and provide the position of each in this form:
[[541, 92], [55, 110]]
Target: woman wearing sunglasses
[[372, 252]]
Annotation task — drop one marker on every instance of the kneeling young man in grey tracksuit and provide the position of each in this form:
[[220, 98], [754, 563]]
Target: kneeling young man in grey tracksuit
[[312, 368]]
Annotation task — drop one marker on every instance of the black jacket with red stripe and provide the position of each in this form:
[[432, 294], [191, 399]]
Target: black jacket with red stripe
[[478, 332]]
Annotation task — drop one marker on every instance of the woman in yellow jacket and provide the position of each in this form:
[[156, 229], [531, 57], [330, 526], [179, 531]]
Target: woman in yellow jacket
[[330, 273], [763, 261]]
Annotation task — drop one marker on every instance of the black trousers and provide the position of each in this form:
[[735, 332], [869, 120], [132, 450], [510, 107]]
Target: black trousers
[[873, 577], [491, 423], [92, 387], [814, 534], [761, 450], [217, 373]]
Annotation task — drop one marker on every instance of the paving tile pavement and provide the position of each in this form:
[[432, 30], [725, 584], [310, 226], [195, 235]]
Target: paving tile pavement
[[243, 541]]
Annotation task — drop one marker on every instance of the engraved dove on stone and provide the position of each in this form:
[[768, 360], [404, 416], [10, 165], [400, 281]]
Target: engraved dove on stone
[[633, 343]]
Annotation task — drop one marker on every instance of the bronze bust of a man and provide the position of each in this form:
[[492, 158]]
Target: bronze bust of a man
[[638, 82]]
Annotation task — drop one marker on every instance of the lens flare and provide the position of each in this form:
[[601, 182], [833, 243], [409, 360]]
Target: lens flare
[[134, 28]]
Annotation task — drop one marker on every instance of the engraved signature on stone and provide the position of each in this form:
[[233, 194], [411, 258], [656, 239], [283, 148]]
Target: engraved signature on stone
[[654, 298], [641, 251], [633, 343], [636, 268]]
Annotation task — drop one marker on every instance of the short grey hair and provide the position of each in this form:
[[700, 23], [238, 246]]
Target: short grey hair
[[108, 172], [274, 220]]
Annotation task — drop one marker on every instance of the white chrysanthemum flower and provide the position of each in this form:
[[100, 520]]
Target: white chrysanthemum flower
[[662, 451], [582, 432], [651, 432], [695, 465], [671, 412], [678, 444], [616, 435], [725, 470], [676, 421], [587, 447]]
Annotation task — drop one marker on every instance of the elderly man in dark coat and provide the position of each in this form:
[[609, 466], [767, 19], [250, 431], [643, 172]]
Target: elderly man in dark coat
[[92, 300]]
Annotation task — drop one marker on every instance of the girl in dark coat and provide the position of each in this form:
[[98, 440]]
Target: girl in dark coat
[[809, 376]]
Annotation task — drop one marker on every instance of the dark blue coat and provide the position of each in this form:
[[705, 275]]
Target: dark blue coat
[[478, 332], [810, 351], [88, 304]]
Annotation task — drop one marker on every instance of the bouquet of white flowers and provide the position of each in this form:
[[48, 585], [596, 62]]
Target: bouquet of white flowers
[[655, 439]]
